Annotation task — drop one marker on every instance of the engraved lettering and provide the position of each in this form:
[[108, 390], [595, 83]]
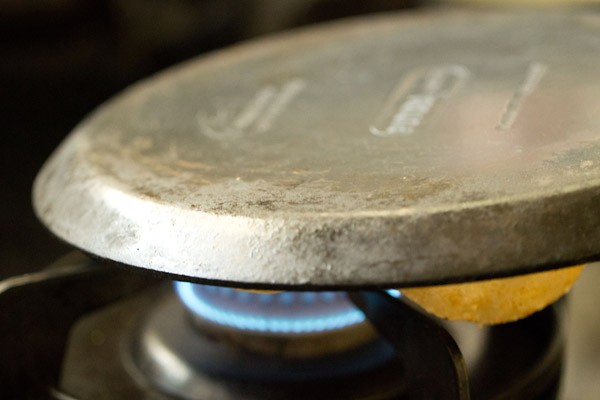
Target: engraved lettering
[[535, 73], [415, 97], [255, 108], [258, 115], [287, 94]]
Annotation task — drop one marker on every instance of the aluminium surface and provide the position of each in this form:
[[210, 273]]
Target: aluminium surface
[[387, 151]]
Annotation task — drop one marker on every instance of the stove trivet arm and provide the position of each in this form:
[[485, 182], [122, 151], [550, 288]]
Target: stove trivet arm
[[37, 311], [434, 365]]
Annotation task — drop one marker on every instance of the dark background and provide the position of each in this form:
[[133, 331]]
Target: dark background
[[59, 59]]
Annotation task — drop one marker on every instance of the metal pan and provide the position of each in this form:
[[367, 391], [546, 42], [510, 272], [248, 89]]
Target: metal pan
[[432, 147]]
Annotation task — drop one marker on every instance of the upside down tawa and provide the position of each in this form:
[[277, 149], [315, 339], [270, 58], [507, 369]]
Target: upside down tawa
[[389, 151]]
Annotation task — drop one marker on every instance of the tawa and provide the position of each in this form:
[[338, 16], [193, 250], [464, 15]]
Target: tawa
[[394, 150]]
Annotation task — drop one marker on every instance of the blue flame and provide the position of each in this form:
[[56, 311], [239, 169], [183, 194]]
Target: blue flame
[[285, 312], [394, 293]]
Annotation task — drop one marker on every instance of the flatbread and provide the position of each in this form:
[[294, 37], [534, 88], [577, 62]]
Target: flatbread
[[495, 301]]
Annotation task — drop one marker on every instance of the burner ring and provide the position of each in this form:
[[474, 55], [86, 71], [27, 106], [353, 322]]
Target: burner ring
[[185, 356]]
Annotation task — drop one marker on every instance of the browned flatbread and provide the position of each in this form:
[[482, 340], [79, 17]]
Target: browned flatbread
[[498, 300]]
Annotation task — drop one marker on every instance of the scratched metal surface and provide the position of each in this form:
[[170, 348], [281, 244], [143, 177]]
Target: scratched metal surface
[[388, 151]]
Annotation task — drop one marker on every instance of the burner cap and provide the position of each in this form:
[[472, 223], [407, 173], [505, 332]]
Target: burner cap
[[387, 151]]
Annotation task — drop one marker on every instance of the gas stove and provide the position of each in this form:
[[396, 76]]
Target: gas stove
[[140, 337], [249, 220]]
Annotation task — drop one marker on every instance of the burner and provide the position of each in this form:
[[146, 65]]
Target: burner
[[151, 344], [205, 338], [155, 343]]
